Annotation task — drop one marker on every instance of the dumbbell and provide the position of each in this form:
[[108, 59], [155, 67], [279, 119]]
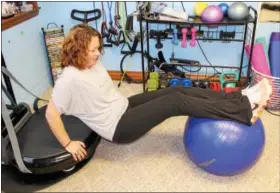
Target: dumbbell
[[184, 37], [193, 40], [174, 82], [205, 84], [152, 85], [186, 82], [196, 83], [153, 81], [201, 84], [175, 35]]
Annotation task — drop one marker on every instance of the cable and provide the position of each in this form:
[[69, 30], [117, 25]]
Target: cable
[[278, 115], [183, 6], [206, 57]]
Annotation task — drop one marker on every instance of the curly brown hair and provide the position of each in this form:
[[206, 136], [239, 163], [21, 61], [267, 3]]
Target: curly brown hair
[[75, 46]]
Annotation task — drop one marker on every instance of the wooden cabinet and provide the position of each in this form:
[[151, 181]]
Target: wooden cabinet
[[20, 17]]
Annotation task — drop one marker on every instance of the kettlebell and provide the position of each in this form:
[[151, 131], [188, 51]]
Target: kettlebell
[[232, 84]]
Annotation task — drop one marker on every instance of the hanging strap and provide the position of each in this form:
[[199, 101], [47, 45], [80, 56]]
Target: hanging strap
[[13, 138], [112, 30], [5, 71], [35, 103], [117, 16], [104, 28], [123, 17], [95, 20], [13, 103]]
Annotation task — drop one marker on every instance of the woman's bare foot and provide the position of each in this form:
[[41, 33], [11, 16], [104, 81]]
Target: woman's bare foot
[[259, 96]]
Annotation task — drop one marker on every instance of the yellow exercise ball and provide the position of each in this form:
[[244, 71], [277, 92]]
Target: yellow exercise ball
[[199, 8]]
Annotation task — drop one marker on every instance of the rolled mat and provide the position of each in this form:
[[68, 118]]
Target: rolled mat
[[274, 54], [265, 46], [258, 61]]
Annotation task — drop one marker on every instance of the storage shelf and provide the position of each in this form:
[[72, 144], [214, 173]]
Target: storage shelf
[[193, 20], [198, 21], [20, 17], [245, 34]]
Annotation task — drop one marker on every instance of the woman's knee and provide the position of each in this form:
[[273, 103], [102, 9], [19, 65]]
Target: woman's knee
[[176, 94], [122, 140]]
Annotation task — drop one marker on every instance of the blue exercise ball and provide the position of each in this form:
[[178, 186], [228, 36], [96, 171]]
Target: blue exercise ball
[[223, 148], [224, 8]]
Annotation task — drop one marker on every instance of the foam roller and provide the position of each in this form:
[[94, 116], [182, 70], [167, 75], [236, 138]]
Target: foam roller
[[258, 61], [273, 54]]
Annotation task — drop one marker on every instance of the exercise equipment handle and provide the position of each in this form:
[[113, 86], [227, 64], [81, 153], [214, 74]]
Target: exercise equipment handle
[[86, 13]]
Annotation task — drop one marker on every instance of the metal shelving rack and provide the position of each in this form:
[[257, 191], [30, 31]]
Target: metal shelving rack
[[248, 36]]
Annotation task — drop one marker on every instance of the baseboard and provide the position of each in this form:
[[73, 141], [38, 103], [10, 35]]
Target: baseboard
[[117, 75]]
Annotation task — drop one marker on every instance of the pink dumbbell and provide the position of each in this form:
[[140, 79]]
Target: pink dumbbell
[[184, 37], [193, 42]]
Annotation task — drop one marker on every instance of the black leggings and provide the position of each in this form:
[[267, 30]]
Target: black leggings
[[147, 110]]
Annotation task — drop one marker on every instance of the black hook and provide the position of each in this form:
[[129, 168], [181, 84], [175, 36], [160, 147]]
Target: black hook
[[86, 13]]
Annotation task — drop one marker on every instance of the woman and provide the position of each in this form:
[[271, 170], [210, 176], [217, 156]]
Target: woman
[[85, 90]]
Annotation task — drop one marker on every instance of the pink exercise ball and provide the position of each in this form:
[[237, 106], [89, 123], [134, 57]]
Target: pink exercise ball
[[212, 14]]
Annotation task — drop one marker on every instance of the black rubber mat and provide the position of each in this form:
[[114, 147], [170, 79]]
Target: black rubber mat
[[36, 140]]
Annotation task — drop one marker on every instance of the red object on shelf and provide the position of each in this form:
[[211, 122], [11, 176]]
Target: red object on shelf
[[229, 89], [215, 86]]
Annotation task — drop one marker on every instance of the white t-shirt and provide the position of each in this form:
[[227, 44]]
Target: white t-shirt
[[91, 96]]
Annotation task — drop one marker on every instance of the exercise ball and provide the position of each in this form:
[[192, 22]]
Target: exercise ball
[[212, 13], [199, 8], [224, 8], [238, 11], [221, 147]]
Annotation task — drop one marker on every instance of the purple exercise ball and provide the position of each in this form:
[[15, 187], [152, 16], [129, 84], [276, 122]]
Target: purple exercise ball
[[212, 13]]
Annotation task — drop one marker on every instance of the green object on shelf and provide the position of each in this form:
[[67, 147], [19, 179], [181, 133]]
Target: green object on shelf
[[153, 85], [263, 42], [154, 75], [153, 82], [229, 73]]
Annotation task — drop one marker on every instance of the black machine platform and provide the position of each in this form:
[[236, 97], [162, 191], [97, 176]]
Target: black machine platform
[[41, 151]]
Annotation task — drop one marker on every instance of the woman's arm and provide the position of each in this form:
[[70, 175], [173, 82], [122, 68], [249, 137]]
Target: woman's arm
[[56, 124], [76, 148]]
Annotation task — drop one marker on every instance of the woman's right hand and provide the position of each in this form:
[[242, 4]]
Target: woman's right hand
[[77, 149]]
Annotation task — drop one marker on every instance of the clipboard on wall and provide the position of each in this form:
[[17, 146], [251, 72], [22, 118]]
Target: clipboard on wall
[[269, 12]]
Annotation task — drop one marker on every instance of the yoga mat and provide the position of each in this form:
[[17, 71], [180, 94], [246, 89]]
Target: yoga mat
[[258, 61], [262, 40], [274, 54]]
